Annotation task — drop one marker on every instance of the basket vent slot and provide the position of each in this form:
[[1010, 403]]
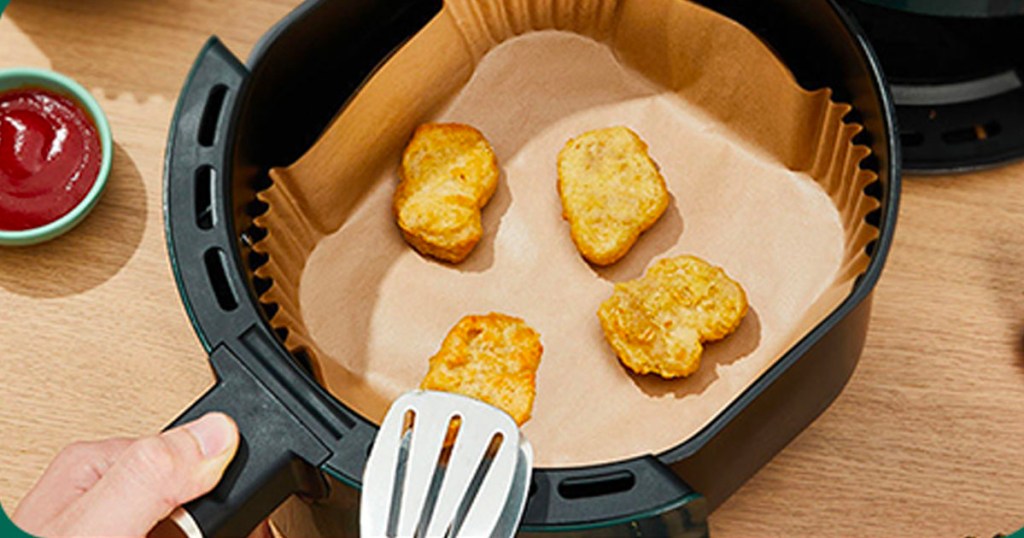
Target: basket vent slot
[[206, 176], [597, 485], [911, 139], [216, 271], [211, 115], [973, 133]]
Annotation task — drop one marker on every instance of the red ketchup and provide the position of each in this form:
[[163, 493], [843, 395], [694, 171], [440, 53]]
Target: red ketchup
[[50, 157]]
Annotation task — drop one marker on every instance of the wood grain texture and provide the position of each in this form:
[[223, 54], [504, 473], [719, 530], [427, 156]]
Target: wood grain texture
[[924, 441]]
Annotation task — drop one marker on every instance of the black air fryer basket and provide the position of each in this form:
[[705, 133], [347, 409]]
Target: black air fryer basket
[[236, 121]]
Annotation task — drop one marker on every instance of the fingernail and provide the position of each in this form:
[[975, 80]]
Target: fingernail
[[214, 432]]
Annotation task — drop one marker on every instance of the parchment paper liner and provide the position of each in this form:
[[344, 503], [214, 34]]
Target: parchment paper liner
[[764, 176]]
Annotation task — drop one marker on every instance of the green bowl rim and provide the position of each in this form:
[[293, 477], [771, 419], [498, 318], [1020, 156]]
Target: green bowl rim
[[51, 80]]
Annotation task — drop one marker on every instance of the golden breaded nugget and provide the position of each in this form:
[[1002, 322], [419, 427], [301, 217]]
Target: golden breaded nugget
[[492, 358], [656, 323], [611, 192], [448, 173]]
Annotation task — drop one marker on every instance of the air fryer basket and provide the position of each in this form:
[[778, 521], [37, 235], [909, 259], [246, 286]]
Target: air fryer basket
[[234, 122]]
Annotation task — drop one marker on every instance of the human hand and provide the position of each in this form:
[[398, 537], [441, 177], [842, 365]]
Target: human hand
[[125, 487]]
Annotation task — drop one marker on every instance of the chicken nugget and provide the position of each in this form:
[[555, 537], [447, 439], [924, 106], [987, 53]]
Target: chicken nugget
[[448, 174], [657, 323], [492, 358], [611, 192]]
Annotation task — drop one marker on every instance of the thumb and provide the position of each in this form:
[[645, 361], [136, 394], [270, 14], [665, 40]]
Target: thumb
[[154, 476]]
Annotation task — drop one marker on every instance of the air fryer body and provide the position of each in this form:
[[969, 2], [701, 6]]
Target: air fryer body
[[235, 122]]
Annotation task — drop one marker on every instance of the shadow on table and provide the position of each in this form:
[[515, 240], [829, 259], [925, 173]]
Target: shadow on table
[[139, 47], [90, 254], [79, 37], [1000, 248]]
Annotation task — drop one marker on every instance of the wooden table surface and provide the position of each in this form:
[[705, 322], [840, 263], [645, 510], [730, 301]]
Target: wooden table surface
[[925, 440]]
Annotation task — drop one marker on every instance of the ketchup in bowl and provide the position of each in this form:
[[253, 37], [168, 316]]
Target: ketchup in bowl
[[50, 157]]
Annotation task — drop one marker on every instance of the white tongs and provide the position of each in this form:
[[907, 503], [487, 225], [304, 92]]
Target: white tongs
[[421, 482]]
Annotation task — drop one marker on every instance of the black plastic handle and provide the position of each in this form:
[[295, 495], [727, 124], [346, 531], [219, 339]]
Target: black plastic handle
[[260, 477], [280, 450]]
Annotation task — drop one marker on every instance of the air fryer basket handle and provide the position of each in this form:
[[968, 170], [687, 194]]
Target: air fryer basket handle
[[266, 469], [278, 455]]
